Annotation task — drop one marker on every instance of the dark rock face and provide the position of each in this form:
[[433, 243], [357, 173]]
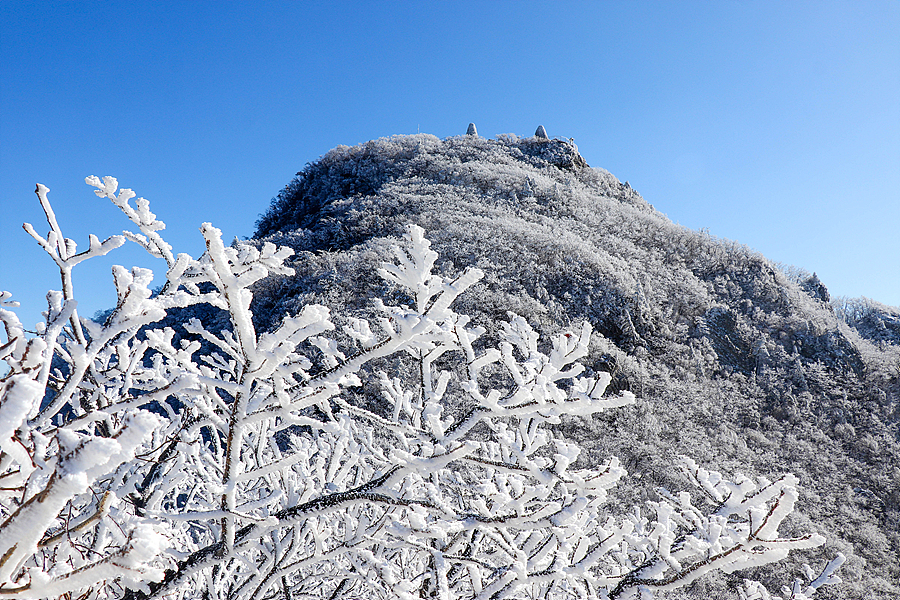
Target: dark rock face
[[815, 288], [735, 364], [731, 339]]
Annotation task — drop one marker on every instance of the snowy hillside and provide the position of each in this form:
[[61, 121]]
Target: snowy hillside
[[459, 368], [733, 361]]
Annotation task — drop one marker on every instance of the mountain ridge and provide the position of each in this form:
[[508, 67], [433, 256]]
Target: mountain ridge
[[736, 363]]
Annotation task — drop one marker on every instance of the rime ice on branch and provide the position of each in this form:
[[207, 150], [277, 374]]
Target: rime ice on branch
[[233, 464]]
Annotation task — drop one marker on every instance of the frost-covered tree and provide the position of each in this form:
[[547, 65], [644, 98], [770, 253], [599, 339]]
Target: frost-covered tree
[[732, 363], [135, 462]]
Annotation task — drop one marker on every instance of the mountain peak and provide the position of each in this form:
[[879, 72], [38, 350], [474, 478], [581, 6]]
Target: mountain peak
[[726, 352], [362, 170]]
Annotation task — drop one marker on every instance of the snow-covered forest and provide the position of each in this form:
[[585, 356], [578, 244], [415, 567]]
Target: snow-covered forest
[[459, 368]]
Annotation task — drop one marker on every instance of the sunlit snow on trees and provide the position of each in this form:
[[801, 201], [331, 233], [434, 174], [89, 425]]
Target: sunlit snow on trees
[[136, 463]]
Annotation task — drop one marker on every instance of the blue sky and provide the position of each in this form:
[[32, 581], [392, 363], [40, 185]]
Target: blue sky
[[776, 124]]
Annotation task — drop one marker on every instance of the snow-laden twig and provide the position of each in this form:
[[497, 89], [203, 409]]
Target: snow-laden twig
[[134, 463]]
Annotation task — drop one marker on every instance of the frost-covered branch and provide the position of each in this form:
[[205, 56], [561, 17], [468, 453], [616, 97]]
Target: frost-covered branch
[[226, 463]]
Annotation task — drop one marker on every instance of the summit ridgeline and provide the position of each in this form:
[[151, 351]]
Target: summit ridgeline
[[733, 359], [457, 368]]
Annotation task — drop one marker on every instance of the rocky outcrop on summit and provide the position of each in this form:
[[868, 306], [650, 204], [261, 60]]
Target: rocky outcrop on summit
[[325, 187], [734, 362]]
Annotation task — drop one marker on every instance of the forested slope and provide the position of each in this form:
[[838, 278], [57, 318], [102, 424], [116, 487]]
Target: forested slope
[[734, 362]]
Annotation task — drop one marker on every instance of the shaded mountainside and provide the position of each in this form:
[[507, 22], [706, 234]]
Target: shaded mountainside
[[735, 363]]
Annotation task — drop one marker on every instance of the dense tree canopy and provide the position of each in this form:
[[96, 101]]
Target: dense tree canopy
[[416, 381]]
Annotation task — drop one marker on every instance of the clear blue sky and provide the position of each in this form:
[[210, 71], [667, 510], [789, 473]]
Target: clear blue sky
[[776, 124]]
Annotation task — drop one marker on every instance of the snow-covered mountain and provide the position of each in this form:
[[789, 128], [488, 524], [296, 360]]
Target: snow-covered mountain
[[741, 365]]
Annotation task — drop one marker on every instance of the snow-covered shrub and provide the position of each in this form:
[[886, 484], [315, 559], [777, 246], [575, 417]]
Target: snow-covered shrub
[[133, 465]]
